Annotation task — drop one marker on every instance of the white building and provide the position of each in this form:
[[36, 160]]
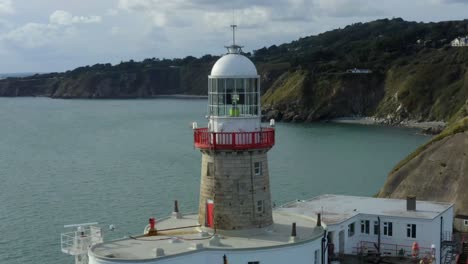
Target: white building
[[460, 42], [353, 224]]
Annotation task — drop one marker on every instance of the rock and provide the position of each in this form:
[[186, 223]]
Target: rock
[[288, 116], [298, 118], [432, 130], [437, 171]]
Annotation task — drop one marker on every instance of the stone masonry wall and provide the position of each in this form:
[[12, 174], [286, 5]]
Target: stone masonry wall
[[235, 189]]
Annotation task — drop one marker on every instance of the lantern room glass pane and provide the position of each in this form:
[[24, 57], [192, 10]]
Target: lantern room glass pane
[[213, 86], [221, 85], [234, 97]]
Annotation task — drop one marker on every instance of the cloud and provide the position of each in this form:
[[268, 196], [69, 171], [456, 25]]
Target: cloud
[[37, 35], [112, 12], [249, 13], [160, 13], [61, 17], [56, 34], [6, 7], [32, 35], [346, 8], [248, 18], [451, 1]]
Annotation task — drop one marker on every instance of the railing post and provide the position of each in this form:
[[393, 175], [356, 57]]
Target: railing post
[[214, 139], [233, 140]]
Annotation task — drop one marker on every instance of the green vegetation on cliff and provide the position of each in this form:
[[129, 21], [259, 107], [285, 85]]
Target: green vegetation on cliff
[[458, 127], [415, 75]]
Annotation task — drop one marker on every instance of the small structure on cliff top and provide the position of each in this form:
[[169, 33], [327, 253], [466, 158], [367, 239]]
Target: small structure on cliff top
[[460, 42]]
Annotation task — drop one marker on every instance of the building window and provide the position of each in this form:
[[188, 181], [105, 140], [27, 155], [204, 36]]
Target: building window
[[209, 169], [316, 257], [376, 227], [351, 230], [388, 229], [465, 222], [411, 230], [365, 226], [253, 262], [260, 206], [258, 168]]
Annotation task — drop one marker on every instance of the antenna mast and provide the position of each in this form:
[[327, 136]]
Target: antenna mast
[[234, 26], [234, 48]]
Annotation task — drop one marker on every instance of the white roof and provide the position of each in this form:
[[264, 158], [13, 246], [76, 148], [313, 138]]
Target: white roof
[[339, 208], [234, 65], [180, 241]]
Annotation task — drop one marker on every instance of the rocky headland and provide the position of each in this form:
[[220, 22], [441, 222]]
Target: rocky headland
[[437, 171], [392, 72]]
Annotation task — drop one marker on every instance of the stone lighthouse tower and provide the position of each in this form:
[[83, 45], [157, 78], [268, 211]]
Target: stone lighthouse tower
[[235, 185]]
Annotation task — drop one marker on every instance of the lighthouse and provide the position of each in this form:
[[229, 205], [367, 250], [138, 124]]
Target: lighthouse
[[235, 222], [235, 184]]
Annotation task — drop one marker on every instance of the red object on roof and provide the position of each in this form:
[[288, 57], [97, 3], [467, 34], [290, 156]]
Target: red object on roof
[[152, 222]]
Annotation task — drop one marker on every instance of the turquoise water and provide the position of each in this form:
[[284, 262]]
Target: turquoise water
[[121, 161]]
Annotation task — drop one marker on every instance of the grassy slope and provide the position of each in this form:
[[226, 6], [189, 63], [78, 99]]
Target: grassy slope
[[458, 127], [429, 86], [287, 88]]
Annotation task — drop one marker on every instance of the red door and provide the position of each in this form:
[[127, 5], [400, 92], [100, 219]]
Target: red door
[[209, 213]]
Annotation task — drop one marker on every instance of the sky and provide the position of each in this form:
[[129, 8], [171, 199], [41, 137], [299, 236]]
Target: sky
[[60, 35]]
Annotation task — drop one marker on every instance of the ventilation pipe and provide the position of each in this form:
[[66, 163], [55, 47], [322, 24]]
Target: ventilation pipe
[[411, 203], [293, 237], [176, 214]]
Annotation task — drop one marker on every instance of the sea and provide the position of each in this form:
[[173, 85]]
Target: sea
[[120, 162]]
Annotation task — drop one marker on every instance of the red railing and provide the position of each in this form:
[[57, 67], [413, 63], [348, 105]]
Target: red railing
[[205, 139]]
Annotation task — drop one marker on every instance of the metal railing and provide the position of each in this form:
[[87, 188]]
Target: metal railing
[[204, 139], [391, 250], [78, 242]]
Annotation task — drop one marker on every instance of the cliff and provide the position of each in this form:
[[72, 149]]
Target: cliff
[[436, 171], [414, 75], [90, 82]]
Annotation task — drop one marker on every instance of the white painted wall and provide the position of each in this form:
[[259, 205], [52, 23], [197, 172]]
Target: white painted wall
[[298, 253], [234, 124]]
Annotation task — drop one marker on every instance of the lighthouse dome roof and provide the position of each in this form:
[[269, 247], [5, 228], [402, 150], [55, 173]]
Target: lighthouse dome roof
[[234, 65]]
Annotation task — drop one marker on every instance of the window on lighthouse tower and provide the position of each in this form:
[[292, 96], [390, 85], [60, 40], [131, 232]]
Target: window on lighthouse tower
[[260, 206], [258, 168]]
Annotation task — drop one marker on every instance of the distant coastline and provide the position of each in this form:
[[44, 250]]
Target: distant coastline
[[162, 96], [429, 125]]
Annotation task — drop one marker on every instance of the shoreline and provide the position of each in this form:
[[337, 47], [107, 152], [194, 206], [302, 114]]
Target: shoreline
[[162, 96], [429, 125]]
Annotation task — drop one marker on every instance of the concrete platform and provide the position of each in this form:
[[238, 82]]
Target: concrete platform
[[180, 240]]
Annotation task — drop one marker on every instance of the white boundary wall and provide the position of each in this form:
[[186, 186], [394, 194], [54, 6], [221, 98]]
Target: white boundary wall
[[302, 252]]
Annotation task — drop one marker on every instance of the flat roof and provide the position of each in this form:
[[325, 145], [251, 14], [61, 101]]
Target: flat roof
[[183, 240], [336, 209]]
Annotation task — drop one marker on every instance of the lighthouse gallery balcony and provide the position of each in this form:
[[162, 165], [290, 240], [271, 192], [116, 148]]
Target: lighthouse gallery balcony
[[204, 139]]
